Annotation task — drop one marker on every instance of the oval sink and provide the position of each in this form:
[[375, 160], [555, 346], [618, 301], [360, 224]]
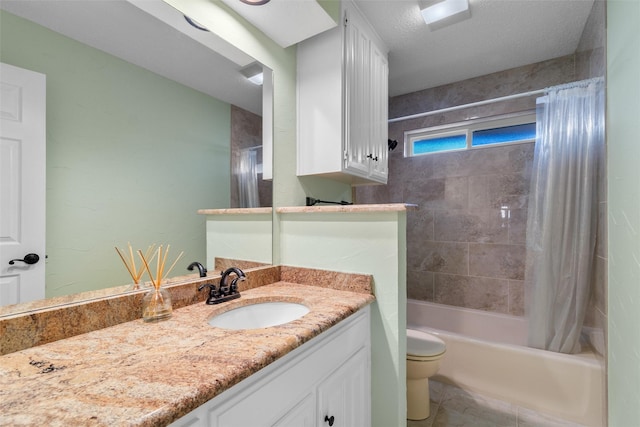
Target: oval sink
[[259, 315]]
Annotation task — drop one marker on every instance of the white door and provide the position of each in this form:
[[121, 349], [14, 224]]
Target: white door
[[22, 184]]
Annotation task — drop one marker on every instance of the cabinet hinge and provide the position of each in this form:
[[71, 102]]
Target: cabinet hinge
[[346, 155]]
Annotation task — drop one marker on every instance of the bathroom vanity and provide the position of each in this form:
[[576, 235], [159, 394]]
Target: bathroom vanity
[[185, 371], [325, 381]]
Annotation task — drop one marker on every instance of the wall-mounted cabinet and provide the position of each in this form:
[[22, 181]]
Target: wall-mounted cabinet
[[343, 102]]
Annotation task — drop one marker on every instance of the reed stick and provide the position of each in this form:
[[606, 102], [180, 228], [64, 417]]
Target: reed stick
[[133, 276], [133, 264], [162, 254], [146, 265], [159, 252], [174, 263]]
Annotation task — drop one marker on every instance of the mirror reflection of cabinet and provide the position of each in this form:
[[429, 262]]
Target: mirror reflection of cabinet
[[342, 102]]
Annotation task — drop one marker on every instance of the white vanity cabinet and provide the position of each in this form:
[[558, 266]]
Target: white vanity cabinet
[[329, 376], [343, 102]]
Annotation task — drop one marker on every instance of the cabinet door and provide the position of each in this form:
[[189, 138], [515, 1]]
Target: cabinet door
[[366, 103], [344, 397], [356, 116], [379, 105], [195, 418], [302, 415]]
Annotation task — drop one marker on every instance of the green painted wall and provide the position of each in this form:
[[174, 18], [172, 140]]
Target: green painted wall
[[131, 156], [243, 236], [332, 7], [368, 243], [623, 110]]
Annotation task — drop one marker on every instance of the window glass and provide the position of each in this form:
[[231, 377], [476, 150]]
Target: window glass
[[499, 135], [471, 134], [443, 143]]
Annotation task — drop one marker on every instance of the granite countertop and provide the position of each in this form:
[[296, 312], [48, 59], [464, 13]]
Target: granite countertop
[[235, 211], [150, 374], [383, 207]]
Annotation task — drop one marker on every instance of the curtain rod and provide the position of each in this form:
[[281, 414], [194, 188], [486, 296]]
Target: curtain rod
[[472, 104]]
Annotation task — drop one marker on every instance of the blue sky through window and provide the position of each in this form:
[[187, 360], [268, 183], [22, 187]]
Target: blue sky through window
[[522, 132], [445, 143]]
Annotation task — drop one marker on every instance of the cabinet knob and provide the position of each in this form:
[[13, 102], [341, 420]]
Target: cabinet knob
[[329, 419], [370, 156]]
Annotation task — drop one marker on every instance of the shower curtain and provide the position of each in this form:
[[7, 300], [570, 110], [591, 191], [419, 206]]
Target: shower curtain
[[248, 179], [563, 213]]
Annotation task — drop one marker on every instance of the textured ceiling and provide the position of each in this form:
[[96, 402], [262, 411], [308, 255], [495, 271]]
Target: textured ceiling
[[500, 35]]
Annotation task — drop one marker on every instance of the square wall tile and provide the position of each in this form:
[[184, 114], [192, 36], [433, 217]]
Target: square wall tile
[[441, 193], [476, 225], [516, 297], [420, 285], [499, 191], [472, 292], [420, 224], [438, 257], [497, 260], [517, 225]]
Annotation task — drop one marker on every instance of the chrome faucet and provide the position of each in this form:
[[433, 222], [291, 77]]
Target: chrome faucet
[[225, 292]]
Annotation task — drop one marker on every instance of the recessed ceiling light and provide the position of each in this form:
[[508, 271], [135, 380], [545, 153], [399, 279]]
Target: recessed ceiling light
[[195, 24], [441, 13], [255, 2]]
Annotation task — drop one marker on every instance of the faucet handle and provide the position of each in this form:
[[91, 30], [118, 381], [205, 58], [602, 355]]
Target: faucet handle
[[204, 285], [234, 285], [214, 293]]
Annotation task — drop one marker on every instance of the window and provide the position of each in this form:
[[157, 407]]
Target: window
[[471, 134]]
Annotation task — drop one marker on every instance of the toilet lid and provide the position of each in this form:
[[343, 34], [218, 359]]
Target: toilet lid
[[422, 344]]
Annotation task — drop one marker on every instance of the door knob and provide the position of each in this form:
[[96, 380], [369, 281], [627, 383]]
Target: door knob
[[28, 259]]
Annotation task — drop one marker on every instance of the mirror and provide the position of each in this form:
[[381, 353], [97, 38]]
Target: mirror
[[139, 138]]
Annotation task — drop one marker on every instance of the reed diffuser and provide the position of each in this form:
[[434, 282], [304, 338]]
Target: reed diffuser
[[156, 304], [135, 272]]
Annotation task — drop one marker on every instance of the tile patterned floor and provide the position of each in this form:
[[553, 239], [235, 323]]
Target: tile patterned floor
[[454, 407]]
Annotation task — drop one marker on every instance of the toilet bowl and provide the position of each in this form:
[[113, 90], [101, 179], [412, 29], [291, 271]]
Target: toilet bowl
[[424, 352]]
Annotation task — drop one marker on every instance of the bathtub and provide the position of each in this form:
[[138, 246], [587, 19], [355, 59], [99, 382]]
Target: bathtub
[[486, 353]]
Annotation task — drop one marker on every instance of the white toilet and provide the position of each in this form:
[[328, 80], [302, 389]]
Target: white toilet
[[424, 352]]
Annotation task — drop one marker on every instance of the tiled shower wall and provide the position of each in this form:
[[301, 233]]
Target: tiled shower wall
[[246, 131], [466, 242]]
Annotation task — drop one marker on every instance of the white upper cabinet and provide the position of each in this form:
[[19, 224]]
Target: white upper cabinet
[[343, 102]]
